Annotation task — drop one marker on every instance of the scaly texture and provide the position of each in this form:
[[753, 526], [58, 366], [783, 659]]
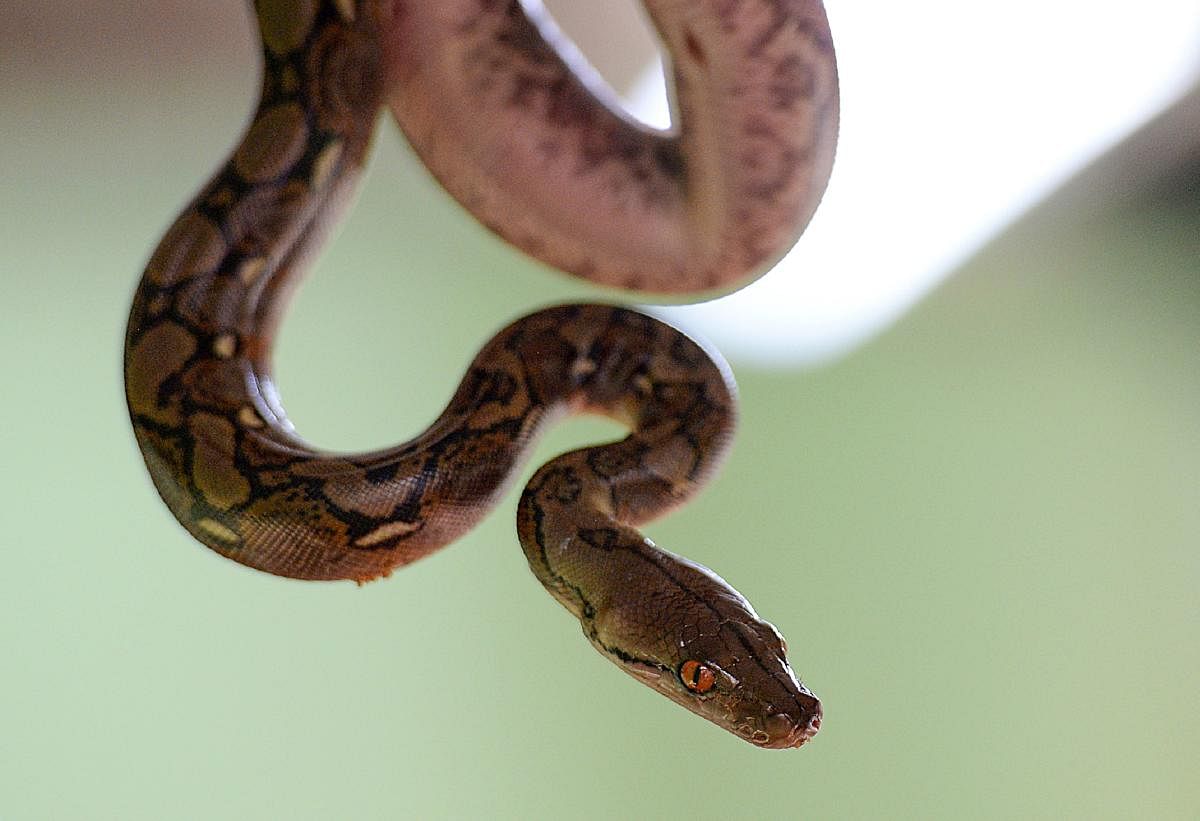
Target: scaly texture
[[228, 463]]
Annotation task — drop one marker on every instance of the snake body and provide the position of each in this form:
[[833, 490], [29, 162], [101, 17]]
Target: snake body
[[612, 201]]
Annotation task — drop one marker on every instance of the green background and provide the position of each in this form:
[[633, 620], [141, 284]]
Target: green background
[[979, 530]]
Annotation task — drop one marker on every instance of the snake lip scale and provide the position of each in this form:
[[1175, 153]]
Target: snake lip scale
[[514, 126]]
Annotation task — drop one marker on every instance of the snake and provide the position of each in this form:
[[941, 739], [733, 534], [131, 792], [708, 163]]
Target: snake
[[520, 130]]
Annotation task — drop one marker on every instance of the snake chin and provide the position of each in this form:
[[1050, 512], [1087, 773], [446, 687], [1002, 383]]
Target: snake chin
[[785, 731]]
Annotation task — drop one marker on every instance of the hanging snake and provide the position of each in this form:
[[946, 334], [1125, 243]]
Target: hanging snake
[[519, 130]]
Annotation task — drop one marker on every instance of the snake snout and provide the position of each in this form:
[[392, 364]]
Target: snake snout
[[808, 731], [784, 731]]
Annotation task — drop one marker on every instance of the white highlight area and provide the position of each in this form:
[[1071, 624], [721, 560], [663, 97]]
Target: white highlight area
[[956, 118]]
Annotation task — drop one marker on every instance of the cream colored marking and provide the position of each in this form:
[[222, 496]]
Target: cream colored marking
[[346, 9], [224, 346], [249, 417], [642, 383], [249, 270], [582, 367], [325, 164], [388, 531], [218, 530]]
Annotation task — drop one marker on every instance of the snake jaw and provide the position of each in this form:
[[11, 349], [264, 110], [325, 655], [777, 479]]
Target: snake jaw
[[769, 727], [755, 694], [733, 706], [784, 731]]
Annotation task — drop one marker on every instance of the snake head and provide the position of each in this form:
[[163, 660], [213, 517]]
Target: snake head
[[740, 679], [712, 654]]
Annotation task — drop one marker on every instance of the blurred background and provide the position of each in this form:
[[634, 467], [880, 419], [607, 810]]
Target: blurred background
[[976, 517]]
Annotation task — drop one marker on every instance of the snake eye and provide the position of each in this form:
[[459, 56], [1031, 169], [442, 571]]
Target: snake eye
[[696, 677]]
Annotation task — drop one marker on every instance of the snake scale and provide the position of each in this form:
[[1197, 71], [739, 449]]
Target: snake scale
[[516, 127]]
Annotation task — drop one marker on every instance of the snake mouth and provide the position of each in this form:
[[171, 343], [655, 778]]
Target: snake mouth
[[803, 735], [783, 732]]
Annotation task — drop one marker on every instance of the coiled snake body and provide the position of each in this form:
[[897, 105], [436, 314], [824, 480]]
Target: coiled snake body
[[537, 153]]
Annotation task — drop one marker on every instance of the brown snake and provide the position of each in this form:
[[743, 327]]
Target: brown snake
[[544, 159]]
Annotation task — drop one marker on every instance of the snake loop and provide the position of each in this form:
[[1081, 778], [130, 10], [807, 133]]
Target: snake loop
[[711, 204]]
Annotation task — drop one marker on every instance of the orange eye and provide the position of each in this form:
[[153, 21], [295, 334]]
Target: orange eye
[[696, 677]]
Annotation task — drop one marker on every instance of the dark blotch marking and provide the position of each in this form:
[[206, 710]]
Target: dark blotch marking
[[694, 50], [561, 485], [601, 538], [383, 473]]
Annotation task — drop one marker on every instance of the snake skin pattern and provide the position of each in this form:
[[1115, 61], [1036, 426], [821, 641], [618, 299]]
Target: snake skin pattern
[[481, 86]]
